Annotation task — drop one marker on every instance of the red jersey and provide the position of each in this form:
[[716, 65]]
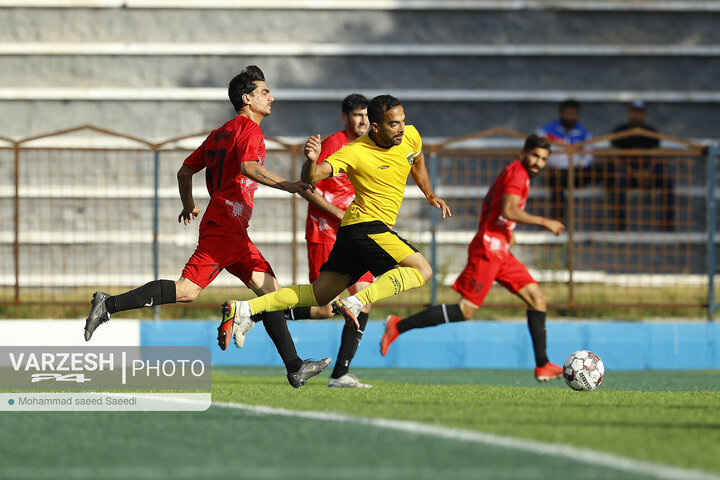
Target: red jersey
[[494, 230], [320, 226], [222, 152]]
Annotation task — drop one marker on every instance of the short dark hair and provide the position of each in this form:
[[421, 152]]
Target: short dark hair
[[379, 105], [244, 83], [354, 101], [569, 103], [536, 141]]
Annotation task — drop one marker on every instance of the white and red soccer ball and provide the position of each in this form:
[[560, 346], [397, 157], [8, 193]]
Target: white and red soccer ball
[[583, 370]]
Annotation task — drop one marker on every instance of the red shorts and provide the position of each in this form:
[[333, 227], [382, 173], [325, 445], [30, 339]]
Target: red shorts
[[480, 272], [221, 248], [318, 254]]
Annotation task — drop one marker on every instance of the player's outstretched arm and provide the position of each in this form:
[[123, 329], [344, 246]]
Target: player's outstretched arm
[[319, 201], [312, 172], [262, 175], [189, 211], [422, 180], [512, 211]]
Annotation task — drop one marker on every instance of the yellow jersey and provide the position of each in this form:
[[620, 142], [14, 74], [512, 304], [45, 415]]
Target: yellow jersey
[[378, 174]]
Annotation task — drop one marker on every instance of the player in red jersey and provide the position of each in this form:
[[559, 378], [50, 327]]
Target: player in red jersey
[[326, 207], [233, 158], [489, 259]]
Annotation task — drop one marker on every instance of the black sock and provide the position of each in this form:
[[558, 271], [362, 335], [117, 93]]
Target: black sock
[[432, 316], [157, 292], [349, 343], [536, 324], [298, 313], [277, 330]]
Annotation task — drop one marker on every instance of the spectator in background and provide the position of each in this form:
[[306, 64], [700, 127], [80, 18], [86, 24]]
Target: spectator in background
[[639, 171], [567, 130]]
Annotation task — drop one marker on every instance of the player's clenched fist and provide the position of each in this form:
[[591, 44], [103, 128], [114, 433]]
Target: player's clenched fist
[[312, 148]]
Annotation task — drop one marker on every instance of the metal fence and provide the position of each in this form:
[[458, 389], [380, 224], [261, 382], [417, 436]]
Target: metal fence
[[106, 218]]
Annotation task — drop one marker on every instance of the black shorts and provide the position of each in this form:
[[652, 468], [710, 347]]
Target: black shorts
[[367, 246]]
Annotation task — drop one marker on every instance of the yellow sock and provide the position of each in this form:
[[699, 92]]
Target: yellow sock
[[288, 297], [391, 283]]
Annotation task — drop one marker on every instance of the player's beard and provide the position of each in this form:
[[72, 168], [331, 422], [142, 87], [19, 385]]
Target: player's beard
[[530, 170]]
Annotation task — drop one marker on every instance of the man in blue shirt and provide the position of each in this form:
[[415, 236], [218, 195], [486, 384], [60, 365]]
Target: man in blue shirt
[[567, 130]]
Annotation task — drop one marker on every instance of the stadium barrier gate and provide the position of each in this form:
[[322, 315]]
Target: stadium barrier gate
[[95, 209]]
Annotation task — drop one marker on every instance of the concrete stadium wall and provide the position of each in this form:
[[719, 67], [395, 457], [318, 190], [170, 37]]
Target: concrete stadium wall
[[679, 85]]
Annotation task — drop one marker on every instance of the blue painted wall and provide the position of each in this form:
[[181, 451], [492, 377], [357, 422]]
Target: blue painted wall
[[479, 344]]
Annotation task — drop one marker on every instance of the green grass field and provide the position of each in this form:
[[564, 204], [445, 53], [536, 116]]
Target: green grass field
[[429, 424]]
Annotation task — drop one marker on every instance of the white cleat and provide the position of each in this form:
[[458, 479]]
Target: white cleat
[[349, 309], [236, 321], [242, 323], [347, 381]]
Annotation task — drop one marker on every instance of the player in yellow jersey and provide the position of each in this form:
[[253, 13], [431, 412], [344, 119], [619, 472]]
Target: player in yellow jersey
[[378, 164]]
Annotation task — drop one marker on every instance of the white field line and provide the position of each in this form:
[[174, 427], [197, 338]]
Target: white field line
[[562, 451], [575, 454], [266, 472]]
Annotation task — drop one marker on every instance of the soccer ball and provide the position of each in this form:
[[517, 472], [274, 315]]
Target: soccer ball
[[583, 370]]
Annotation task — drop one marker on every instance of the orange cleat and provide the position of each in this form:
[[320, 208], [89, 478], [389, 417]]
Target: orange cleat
[[236, 322], [548, 371], [391, 333], [345, 309], [225, 330]]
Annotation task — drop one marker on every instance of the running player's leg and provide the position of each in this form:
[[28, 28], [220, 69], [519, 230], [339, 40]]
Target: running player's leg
[[473, 285], [274, 322], [534, 298], [397, 264], [157, 292], [337, 274], [411, 272], [361, 284], [515, 277], [322, 291], [350, 340], [318, 254], [257, 274], [200, 270]]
